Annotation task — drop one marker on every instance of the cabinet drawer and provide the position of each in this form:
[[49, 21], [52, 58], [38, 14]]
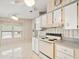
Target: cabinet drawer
[[65, 50], [64, 56]]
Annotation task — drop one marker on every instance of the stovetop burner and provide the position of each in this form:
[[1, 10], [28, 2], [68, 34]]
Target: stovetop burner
[[52, 39]]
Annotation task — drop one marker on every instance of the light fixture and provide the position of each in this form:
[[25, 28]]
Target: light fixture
[[14, 18], [29, 3]]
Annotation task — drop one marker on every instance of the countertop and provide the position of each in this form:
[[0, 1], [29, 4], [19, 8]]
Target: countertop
[[69, 44], [66, 43], [46, 40]]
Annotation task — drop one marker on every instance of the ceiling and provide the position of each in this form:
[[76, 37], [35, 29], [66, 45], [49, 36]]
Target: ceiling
[[8, 8]]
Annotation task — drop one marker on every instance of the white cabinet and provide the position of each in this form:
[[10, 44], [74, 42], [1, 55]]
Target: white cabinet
[[78, 14], [38, 23], [64, 2], [66, 52], [35, 45], [50, 19], [47, 20], [70, 16], [64, 49], [50, 5], [57, 18], [44, 21]]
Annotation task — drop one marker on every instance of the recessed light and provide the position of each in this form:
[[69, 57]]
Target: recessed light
[[29, 3], [14, 18]]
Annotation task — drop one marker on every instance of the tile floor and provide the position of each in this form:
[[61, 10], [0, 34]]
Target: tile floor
[[17, 51]]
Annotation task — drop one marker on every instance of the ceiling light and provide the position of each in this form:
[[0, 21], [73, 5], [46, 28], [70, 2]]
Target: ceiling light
[[14, 17], [29, 3]]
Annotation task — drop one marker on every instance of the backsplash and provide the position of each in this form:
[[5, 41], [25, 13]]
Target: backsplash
[[72, 34]]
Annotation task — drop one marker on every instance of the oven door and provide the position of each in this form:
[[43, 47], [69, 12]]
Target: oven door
[[47, 49]]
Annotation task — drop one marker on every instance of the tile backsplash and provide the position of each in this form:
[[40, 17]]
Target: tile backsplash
[[66, 33]]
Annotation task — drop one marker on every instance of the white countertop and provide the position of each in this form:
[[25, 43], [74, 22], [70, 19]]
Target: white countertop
[[69, 44], [66, 43], [46, 40]]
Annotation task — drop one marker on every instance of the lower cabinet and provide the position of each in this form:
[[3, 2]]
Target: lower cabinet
[[78, 14], [62, 52], [35, 45]]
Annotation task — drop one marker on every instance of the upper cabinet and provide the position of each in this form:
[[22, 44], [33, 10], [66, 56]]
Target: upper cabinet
[[50, 5], [57, 3], [57, 18], [38, 23], [44, 20], [64, 2], [50, 19], [70, 16], [78, 15], [47, 20], [33, 25], [60, 13]]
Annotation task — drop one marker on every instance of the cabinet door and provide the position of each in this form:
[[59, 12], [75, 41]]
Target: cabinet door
[[64, 2], [44, 21], [47, 48], [33, 44], [38, 23], [50, 19], [37, 45], [70, 15], [58, 3], [57, 17], [50, 5], [78, 15]]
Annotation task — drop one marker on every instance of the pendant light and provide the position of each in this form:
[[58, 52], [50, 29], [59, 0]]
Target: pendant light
[[29, 3]]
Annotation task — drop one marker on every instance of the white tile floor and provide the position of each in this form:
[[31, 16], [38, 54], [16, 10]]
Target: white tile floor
[[20, 50]]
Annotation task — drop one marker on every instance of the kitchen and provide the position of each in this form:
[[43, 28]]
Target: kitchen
[[39, 29], [56, 32]]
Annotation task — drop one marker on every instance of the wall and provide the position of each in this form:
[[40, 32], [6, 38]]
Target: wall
[[68, 34], [26, 36], [26, 27]]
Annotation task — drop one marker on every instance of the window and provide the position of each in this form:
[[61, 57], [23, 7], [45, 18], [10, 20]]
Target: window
[[6, 35], [17, 34]]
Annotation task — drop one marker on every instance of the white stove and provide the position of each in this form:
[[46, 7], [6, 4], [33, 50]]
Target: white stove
[[46, 45]]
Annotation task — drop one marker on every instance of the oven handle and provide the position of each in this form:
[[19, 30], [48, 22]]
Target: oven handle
[[45, 55]]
